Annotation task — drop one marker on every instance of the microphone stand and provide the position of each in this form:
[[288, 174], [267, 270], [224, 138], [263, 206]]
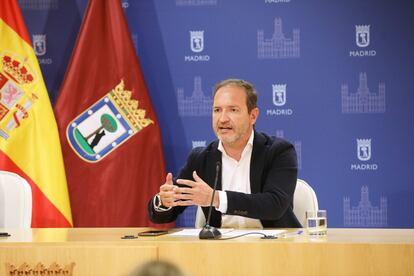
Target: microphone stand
[[210, 232]]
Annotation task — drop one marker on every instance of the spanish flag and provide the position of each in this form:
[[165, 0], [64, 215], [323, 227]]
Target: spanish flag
[[29, 141]]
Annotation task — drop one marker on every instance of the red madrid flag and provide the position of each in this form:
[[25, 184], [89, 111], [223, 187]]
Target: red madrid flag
[[109, 133]]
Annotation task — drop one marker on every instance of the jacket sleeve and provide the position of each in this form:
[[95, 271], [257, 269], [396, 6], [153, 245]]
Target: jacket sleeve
[[277, 186]]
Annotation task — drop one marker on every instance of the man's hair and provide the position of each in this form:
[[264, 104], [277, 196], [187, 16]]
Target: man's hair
[[157, 268], [251, 94]]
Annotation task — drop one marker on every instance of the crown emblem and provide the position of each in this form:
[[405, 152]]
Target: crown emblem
[[364, 142], [16, 70], [279, 87], [362, 28], [129, 107], [197, 33]]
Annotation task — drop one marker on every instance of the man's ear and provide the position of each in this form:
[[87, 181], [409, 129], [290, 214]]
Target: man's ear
[[254, 114]]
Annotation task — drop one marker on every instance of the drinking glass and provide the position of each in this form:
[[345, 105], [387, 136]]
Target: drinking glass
[[316, 222]]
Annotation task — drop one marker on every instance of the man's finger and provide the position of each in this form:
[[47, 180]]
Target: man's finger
[[169, 179], [167, 194], [170, 202], [166, 188], [186, 182], [184, 203], [185, 190], [183, 196], [196, 177]]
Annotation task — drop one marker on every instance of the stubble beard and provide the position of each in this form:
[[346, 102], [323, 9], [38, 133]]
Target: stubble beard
[[232, 139]]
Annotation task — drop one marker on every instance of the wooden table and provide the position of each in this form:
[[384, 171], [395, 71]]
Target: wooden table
[[101, 251]]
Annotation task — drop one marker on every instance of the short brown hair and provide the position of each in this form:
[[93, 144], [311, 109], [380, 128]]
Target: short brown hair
[[251, 94]]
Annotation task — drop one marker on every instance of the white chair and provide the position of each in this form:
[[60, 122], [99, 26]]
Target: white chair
[[304, 199], [15, 201], [200, 218]]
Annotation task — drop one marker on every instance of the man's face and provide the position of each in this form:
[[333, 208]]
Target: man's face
[[232, 122]]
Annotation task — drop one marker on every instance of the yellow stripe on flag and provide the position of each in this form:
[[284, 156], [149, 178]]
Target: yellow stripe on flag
[[33, 142]]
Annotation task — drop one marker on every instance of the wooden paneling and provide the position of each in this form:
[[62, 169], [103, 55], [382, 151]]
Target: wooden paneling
[[101, 251]]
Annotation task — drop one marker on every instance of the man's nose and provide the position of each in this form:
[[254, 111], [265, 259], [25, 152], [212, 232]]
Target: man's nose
[[224, 116]]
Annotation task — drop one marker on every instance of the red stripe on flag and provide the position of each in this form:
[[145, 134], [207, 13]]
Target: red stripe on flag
[[10, 13], [43, 211]]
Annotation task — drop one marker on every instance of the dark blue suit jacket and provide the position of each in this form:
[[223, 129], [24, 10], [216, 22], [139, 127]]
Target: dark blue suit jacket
[[273, 175]]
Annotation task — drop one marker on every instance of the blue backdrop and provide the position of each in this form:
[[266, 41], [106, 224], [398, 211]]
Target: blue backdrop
[[334, 77]]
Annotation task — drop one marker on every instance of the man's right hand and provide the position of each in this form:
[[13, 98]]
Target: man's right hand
[[167, 192]]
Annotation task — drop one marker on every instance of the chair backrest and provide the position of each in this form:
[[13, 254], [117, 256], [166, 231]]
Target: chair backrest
[[200, 218], [15, 201], [304, 199]]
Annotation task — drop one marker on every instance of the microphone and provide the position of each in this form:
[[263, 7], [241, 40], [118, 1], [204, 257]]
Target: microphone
[[210, 232]]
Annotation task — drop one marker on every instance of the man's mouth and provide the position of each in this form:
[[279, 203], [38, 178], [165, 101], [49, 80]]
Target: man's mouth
[[224, 129]]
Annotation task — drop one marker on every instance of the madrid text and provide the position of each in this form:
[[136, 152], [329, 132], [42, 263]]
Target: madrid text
[[45, 60], [364, 167], [363, 53], [197, 58], [279, 112]]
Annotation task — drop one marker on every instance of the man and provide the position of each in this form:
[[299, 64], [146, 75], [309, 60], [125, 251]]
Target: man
[[257, 177]]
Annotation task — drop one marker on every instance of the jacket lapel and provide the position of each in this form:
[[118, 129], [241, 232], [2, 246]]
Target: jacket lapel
[[257, 162], [213, 156]]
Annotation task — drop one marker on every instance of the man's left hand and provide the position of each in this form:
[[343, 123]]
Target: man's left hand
[[198, 192]]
